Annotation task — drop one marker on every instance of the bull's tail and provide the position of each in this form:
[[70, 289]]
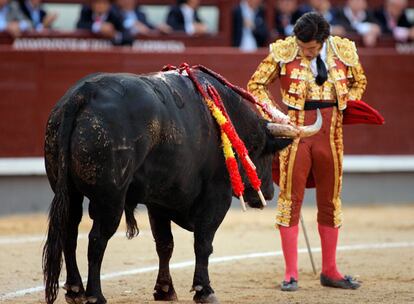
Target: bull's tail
[[132, 226], [59, 209]]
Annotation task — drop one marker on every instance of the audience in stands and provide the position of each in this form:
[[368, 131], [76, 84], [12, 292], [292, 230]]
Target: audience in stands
[[125, 20], [324, 8], [393, 20], [286, 14], [103, 19], [355, 18], [38, 17], [12, 20], [183, 17], [249, 26], [135, 20]]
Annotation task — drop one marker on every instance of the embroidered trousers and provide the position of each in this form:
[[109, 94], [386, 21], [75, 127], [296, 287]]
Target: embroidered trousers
[[319, 155]]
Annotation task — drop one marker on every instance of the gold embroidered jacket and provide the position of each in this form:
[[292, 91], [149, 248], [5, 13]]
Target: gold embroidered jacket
[[346, 78]]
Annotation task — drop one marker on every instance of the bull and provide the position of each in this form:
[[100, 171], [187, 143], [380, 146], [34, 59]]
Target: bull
[[122, 140]]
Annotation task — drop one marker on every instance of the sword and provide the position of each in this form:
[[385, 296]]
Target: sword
[[307, 243]]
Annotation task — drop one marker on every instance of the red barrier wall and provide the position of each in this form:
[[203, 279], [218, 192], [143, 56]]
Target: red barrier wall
[[32, 81]]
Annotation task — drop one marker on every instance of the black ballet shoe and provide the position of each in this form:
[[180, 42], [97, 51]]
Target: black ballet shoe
[[292, 285], [347, 282]]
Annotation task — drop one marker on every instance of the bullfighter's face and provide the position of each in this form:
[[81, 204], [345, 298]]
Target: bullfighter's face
[[310, 49]]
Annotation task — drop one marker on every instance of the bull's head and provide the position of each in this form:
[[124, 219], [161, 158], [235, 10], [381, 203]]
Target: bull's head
[[278, 136]]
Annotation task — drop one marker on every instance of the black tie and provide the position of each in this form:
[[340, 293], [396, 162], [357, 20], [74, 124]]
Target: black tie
[[322, 72]]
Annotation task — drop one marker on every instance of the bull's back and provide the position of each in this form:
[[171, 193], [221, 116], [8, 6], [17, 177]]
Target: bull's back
[[140, 129]]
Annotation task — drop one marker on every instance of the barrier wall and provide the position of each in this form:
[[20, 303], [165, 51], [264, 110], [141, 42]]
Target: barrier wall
[[31, 82]]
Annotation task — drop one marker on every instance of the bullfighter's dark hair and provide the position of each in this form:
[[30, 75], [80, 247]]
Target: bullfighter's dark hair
[[312, 26]]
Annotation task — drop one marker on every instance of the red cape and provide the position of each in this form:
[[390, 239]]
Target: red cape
[[357, 112]]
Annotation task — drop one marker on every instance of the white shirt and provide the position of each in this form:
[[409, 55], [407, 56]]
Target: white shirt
[[97, 24], [3, 17], [130, 18], [248, 42], [35, 16], [188, 14], [313, 61], [356, 21]]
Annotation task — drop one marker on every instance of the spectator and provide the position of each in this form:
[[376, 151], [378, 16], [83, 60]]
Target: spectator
[[324, 8], [34, 12], [286, 14], [12, 19], [135, 21], [393, 20], [100, 18], [184, 17], [355, 18], [249, 26]]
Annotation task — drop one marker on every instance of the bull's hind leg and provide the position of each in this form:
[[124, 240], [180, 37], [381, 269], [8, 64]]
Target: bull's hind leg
[[75, 293], [106, 213], [161, 230]]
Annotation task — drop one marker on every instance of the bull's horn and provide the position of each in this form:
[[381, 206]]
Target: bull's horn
[[307, 131], [285, 130], [282, 130]]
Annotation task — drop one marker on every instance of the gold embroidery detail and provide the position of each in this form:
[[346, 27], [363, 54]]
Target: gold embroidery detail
[[284, 50], [266, 73], [338, 74], [287, 161], [283, 69], [336, 143], [292, 101], [295, 74], [297, 88], [345, 49], [357, 83]]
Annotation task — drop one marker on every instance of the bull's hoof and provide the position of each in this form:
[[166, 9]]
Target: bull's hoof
[[95, 300], [74, 294], [211, 298], [165, 293], [205, 295]]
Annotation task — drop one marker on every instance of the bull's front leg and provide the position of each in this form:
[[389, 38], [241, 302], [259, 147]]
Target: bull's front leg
[[207, 223], [201, 284]]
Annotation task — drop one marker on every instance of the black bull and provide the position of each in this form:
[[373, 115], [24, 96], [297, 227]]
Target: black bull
[[123, 139]]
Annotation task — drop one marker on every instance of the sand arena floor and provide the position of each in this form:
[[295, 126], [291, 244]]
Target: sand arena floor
[[377, 244]]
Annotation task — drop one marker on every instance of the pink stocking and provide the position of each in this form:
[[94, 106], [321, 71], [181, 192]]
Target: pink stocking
[[289, 236], [329, 240]]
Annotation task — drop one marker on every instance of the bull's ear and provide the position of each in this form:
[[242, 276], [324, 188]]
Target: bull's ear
[[274, 144]]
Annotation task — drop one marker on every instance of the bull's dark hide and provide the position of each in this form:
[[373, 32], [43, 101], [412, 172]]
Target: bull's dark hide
[[123, 140]]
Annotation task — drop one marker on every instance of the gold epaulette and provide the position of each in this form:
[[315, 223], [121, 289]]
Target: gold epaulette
[[284, 50], [345, 49]]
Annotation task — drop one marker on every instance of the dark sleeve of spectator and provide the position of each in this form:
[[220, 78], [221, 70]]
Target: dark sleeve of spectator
[[115, 17], [370, 17], [23, 8], [260, 32], [237, 26], [175, 19], [339, 18], [382, 21], [42, 14], [278, 24], [142, 18], [403, 21], [197, 17], [85, 20]]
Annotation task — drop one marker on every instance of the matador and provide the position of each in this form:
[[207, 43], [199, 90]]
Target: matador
[[316, 71]]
